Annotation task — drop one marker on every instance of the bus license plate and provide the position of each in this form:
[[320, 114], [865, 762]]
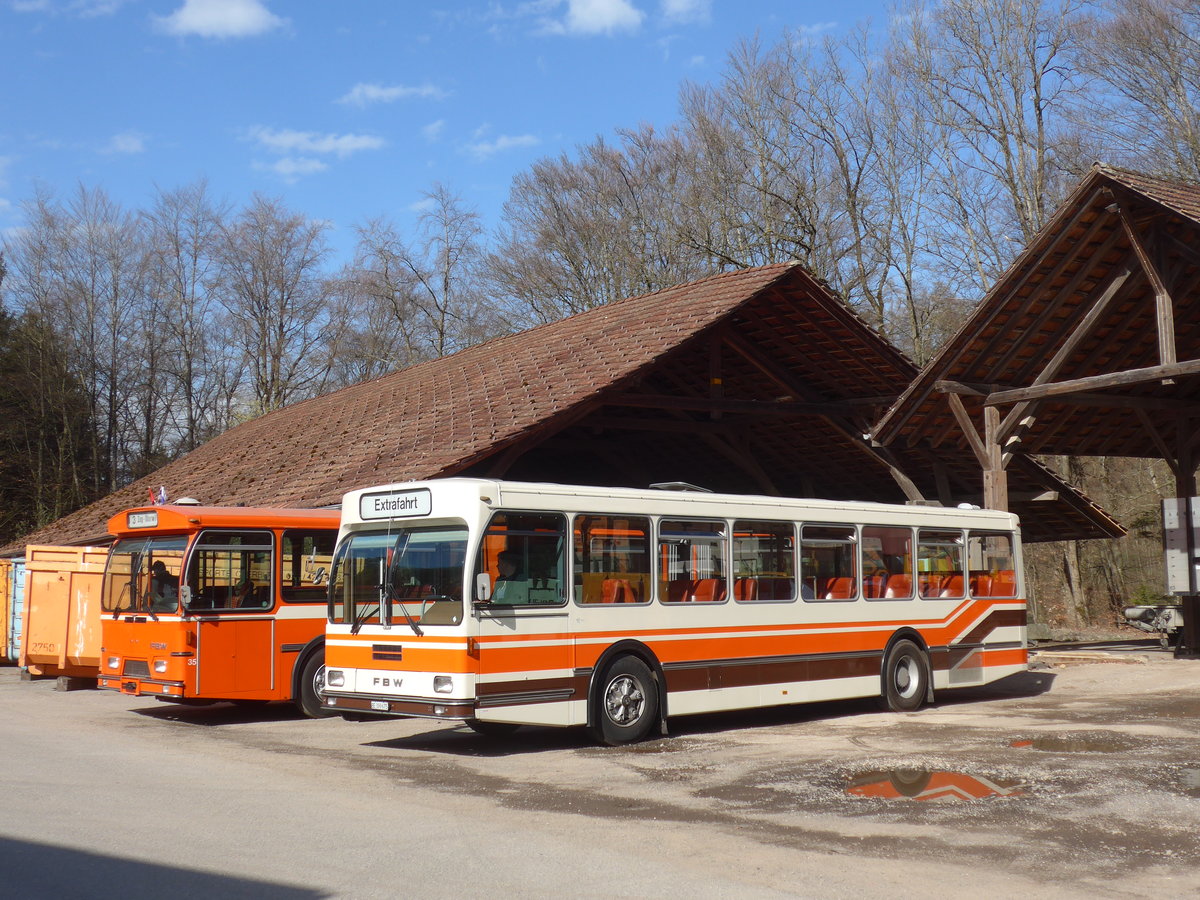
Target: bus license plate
[[379, 705]]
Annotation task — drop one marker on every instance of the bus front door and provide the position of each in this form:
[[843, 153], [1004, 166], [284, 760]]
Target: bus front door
[[234, 657]]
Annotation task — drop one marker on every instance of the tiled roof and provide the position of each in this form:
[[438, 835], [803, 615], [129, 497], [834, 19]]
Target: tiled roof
[[431, 417], [561, 402]]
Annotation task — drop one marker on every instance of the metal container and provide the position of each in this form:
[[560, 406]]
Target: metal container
[[12, 606], [61, 621]]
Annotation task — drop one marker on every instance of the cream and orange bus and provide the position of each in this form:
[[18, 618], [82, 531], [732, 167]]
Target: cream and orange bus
[[502, 604], [202, 604]]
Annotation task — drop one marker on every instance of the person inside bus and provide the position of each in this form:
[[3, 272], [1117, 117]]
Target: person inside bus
[[164, 587], [511, 584], [243, 594]]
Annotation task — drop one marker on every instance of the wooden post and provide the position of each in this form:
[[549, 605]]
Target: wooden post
[[995, 478], [1185, 489]]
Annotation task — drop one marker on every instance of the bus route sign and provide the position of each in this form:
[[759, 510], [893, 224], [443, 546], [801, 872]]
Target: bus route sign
[[396, 504]]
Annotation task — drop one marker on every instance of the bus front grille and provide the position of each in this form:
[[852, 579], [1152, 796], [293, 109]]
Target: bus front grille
[[138, 668]]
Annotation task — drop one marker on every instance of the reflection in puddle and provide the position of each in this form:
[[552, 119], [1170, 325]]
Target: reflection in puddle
[[925, 785], [1083, 742], [1191, 782]]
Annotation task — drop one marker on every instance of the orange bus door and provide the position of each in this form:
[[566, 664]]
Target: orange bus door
[[234, 656]]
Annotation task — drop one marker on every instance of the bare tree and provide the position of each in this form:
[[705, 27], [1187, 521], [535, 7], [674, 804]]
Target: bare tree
[[203, 369], [373, 341], [1144, 107], [270, 264], [578, 233], [431, 284], [754, 196], [993, 81]]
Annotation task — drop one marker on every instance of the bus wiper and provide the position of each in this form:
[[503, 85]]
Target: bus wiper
[[389, 589], [360, 620], [412, 623]]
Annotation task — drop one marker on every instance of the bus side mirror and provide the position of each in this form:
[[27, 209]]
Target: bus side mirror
[[483, 588]]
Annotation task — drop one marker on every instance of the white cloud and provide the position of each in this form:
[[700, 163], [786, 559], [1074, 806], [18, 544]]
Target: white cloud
[[292, 168], [807, 33], [84, 9], [127, 142], [587, 17], [482, 150], [687, 10], [433, 130], [286, 141], [365, 94], [220, 19]]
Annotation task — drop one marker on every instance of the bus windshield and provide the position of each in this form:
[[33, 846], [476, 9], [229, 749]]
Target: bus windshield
[[142, 574], [411, 572]]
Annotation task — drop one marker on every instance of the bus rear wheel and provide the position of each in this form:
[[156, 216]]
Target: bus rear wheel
[[905, 677], [626, 705], [312, 687]]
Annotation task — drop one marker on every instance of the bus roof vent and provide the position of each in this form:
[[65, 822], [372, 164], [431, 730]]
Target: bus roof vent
[[679, 486], [187, 501]]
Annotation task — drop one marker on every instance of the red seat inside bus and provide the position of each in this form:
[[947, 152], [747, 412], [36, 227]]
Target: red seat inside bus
[[841, 588], [699, 590], [619, 590], [898, 586]]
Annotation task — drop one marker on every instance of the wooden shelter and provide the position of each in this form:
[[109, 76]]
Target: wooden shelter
[[1088, 346], [755, 381]]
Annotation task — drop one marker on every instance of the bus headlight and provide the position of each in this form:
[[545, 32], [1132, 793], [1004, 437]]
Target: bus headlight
[[114, 662], [160, 666], [335, 678], [443, 684]]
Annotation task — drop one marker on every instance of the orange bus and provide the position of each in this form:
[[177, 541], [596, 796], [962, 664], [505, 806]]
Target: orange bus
[[202, 604]]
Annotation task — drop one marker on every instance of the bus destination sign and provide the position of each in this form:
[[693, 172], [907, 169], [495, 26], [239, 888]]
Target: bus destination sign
[[396, 504], [143, 520]]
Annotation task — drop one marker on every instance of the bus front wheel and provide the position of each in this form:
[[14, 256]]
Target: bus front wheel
[[312, 687], [626, 705], [905, 677]]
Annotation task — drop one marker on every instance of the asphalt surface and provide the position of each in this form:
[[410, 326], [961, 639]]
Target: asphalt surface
[[1079, 778]]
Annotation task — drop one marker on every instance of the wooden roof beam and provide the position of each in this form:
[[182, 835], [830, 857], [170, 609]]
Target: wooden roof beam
[[835, 421], [1094, 383], [1164, 307], [718, 405], [999, 362], [1078, 335]]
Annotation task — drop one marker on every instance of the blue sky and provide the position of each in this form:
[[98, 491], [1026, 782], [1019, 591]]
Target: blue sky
[[348, 109]]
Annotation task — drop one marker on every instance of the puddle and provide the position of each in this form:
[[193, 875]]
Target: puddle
[[927, 785], [1191, 782], [1079, 742]]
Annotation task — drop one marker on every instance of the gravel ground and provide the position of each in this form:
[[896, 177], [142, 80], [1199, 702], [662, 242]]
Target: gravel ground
[[1078, 778]]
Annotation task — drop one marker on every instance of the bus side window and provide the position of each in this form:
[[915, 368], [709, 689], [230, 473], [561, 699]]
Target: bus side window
[[764, 561], [524, 555], [887, 562], [612, 559], [992, 564], [940, 564], [305, 560], [691, 561], [828, 562], [232, 570]]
